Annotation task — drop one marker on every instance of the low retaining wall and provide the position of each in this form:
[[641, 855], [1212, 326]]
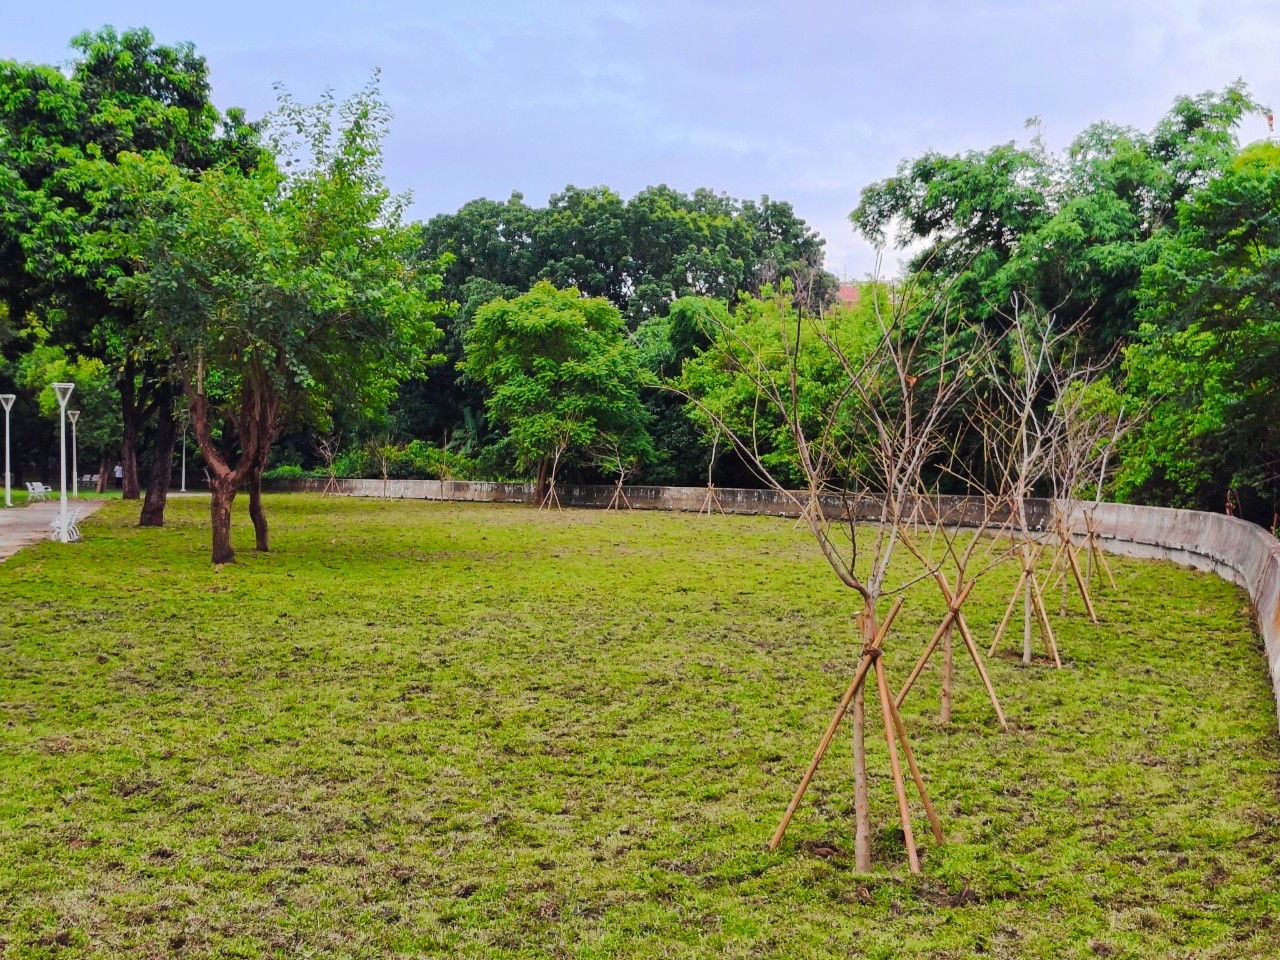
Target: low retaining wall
[[1233, 549]]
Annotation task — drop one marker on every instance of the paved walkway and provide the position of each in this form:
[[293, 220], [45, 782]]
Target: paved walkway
[[22, 526]]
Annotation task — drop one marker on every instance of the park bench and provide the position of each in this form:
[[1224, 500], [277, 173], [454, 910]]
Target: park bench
[[73, 527], [38, 491], [90, 478]]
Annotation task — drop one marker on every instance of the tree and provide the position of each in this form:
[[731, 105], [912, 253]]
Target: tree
[[562, 376], [125, 94], [859, 439], [1209, 354], [1072, 232], [276, 286]]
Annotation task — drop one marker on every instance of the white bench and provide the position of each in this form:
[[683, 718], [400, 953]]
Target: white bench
[[38, 491], [73, 527]]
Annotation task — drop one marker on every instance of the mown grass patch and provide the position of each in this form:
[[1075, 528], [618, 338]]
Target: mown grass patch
[[484, 731]]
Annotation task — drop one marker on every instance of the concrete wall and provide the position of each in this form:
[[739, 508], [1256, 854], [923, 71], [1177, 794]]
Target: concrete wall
[[1234, 549]]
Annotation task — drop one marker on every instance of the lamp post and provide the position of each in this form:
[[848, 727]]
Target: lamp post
[[63, 390], [73, 416], [185, 421], [7, 400]]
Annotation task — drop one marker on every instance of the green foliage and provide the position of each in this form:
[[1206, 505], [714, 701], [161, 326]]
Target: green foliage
[[561, 372], [767, 342], [471, 730], [95, 394], [416, 460], [287, 471], [1073, 232], [297, 280], [1209, 358]]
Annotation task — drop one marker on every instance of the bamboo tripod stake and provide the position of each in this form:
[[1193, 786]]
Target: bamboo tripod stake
[[1066, 550], [1028, 590], [894, 731], [954, 619], [619, 498]]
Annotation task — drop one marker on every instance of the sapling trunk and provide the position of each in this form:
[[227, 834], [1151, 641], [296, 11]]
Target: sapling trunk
[[1026, 620], [861, 803]]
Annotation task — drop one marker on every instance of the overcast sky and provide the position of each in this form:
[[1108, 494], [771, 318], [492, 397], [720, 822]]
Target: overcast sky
[[804, 101]]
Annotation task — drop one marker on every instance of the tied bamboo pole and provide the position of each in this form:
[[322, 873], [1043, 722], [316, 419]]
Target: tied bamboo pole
[[859, 677], [890, 739]]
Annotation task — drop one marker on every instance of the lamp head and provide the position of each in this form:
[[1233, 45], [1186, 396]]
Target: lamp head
[[6, 400], [63, 390], [73, 416]]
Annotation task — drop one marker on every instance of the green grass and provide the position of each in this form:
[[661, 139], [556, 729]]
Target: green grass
[[483, 731]]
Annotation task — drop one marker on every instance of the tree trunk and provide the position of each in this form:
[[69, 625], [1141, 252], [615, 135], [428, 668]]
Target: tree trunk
[[1026, 622], [223, 494], [256, 513], [131, 422], [540, 483], [861, 805], [256, 428], [161, 464], [104, 471]]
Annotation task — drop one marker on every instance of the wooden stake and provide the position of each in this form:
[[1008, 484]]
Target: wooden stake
[[864, 664], [947, 621], [904, 810], [982, 670], [915, 772]]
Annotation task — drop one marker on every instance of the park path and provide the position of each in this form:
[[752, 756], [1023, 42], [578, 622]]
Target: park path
[[23, 526]]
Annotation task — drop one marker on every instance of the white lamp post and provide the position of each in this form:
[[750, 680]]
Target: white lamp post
[[7, 400], [63, 390], [73, 416]]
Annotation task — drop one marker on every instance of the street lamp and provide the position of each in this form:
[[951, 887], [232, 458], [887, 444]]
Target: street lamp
[[63, 390], [7, 400], [185, 420], [73, 416]]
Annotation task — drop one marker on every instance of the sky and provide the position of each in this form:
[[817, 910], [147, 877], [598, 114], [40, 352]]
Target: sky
[[806, 101]]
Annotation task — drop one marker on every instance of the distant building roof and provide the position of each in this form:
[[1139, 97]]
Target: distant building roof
[[848, 293]]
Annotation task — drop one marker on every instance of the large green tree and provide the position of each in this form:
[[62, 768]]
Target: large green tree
[[1073, 231], [641, 254], [562, 375], [59, 133], [284, 285], [1208, 361]]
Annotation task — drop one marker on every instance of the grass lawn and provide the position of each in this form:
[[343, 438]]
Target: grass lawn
[[482, 731]]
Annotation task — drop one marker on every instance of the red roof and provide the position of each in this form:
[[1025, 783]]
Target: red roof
[[848, 293]]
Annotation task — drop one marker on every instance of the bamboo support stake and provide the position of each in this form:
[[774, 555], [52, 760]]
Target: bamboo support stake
[[1046, 631], [1084, 591], [967, 637], [904, 809], [863, 666], [947, 621], [915, 772], [1008, 612]]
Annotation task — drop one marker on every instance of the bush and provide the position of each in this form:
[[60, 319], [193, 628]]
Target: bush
[[286, 471], [416, 460]]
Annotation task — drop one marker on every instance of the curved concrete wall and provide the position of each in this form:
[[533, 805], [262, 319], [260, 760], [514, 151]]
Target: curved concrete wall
[[1234, 549]]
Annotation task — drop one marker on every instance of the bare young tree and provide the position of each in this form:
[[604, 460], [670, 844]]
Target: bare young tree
[[383, 450], [1020, 435], [328, 447], [611, 455], [859, 443]]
